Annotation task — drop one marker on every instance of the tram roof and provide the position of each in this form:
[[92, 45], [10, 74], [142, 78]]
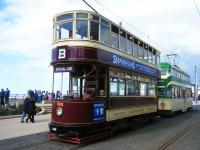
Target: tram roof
[[120, 27], [169, 66]]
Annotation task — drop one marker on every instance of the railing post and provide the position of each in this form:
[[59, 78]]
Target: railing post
[[16, 102]]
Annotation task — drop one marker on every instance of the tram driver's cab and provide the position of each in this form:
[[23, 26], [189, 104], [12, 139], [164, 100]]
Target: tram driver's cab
[[86, 82]]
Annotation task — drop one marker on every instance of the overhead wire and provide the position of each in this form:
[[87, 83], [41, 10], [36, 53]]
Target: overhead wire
[[122, 19], [196, 7]]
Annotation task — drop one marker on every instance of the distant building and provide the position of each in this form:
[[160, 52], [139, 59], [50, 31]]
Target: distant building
[[198, 91]]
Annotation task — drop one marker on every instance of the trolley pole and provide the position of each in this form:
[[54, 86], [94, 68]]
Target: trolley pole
[[196, 90]]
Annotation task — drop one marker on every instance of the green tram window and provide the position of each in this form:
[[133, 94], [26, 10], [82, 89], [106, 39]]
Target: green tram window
[[161, 91]]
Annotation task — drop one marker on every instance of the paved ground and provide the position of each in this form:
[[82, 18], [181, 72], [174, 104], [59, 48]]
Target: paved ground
[[10, 128]]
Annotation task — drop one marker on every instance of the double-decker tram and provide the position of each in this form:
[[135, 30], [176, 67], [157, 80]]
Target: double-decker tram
[[175, 91], [112, 77]]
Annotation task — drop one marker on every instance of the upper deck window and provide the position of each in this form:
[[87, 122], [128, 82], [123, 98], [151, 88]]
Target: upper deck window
[[129, 44], [81, 26], [105, 32], [64, 17], [81, 29], [94, 17], [94, 30], [145, 54], [94, 27], [64, 30], [82, 16], [115, 36], [135, 47], [150, 55], [123, 40], [140, 51]]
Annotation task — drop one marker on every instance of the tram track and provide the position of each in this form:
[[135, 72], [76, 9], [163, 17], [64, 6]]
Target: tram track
[[186, 129]]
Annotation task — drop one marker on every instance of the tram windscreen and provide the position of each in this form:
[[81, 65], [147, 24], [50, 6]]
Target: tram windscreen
[[81, 82]]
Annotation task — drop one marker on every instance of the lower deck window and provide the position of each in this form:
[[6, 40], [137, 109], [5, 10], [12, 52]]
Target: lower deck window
[[152, 89], [113, 86], [143, 89], [121, 87]]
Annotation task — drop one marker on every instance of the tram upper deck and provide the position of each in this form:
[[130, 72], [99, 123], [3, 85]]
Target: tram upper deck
[[87, 29]]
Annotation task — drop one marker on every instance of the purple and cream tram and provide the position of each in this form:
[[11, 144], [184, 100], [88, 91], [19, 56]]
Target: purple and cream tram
[[112, 77]]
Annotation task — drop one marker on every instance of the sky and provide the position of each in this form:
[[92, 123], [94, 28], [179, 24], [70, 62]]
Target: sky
[[26, 34]]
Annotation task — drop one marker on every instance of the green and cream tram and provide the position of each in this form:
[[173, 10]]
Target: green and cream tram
[[174, 90]]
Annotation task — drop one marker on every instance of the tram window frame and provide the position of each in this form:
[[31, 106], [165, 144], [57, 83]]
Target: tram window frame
[[59, 32], [104, 32]]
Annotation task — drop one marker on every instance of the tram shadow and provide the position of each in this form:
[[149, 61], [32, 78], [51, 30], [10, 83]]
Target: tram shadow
[[23, 142]]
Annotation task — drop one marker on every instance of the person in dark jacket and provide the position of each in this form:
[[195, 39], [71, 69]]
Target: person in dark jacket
[[31, 108], [7, 95], [2, 96], [25, 107]]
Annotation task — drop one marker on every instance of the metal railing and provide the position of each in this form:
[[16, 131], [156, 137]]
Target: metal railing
[[16, 99]]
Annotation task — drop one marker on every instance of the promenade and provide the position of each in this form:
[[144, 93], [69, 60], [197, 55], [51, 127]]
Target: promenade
[[11, 128]]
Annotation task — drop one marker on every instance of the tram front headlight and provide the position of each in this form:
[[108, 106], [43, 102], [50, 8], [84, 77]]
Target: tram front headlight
[[59, 111]]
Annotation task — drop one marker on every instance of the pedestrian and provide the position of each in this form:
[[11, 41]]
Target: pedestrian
[[25, 107], [7, 95], [31, 108], [2, 95]]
